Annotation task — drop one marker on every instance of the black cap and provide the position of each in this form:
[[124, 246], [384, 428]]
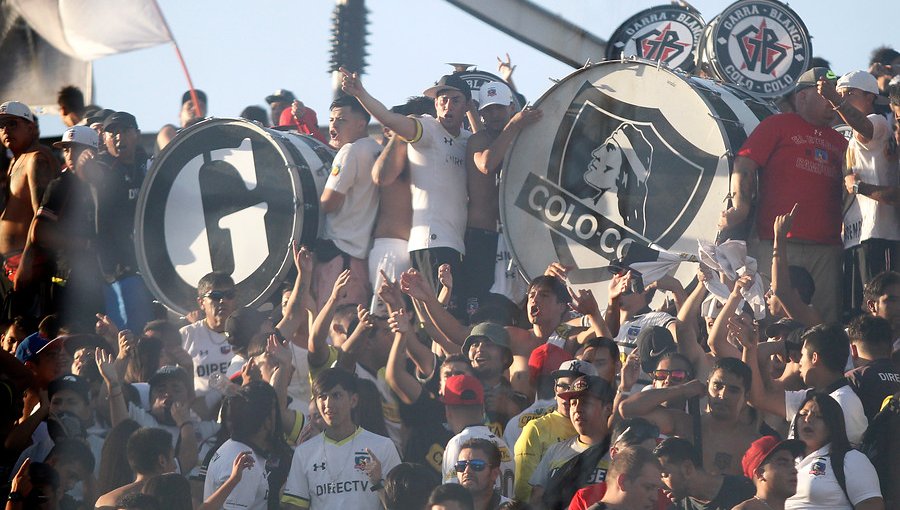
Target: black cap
[[280, 96], [98, 116], [812, 76], [120, 120], [187, 96], [70, 382], [172, 372], [653, 342], [449, 81]]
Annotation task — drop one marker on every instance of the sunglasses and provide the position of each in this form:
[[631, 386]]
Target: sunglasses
[[219, 295], [675, 375], [475, 464]]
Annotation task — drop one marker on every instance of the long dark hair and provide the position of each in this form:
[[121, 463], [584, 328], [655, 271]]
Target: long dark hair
[[114, 468], [171, 490], [833, 417]]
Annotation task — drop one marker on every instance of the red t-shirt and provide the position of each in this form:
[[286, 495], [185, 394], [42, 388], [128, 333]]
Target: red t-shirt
[[799, 164], [308, 123]]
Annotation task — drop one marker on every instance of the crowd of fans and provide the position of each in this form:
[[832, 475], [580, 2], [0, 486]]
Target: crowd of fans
[[401, 372]]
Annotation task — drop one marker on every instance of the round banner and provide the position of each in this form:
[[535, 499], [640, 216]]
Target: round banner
[[760, 45], [228, 195], [667, 33], [626, 153]]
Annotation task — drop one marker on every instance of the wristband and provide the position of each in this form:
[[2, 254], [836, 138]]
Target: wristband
[[377, 486], [15, 497], [856, 187]]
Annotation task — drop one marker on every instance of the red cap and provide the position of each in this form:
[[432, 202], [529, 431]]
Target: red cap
[[546, 359], [764, 447], [463, 390]]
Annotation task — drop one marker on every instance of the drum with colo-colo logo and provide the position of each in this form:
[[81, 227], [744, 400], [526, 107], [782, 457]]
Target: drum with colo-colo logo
[[666, 33], [759, 45], [228, 195], [626, 152]]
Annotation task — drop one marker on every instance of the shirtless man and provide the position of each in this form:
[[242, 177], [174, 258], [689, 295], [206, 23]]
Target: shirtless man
[[186, 117], [484, 156], [391, 174], [728, 426], [32, 168]]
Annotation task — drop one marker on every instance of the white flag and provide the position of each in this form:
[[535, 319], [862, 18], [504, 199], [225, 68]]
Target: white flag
[[90, 29]]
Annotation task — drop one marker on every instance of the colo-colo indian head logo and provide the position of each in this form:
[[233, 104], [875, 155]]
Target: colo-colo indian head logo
[[667, 33], [618, 173], [762, 46]]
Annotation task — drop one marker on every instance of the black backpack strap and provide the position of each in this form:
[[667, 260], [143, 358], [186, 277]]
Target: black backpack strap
[[837, 464]]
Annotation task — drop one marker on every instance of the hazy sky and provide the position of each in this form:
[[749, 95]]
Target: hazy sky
[[238, 52]]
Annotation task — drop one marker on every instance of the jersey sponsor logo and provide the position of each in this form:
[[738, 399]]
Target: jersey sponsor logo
[[760, 45], [668, 33], [212, 368], [342, 487], [225, 196], [318, 466]]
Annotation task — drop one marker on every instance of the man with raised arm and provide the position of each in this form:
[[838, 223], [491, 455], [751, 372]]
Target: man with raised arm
[[436, 154]]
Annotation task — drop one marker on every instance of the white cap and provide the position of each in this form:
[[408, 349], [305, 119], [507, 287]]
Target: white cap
[[16, 109], [82, 135], [862, 80], [494, 92]]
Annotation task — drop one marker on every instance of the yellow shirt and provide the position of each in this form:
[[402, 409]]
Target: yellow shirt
[[537, 437]]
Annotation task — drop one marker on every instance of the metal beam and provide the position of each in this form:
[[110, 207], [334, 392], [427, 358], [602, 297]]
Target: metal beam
[[538, 28]]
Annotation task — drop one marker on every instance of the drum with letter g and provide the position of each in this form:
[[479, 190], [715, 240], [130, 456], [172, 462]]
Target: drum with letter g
[[228, 195], [626, 152]]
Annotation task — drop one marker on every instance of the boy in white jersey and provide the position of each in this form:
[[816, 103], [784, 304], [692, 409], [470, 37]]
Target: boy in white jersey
[[330, 470]]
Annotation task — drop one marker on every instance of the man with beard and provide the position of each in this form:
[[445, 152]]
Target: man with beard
[[489, 352], [728, 426], [463, 399], [205, 339], [477, 468], [770, 465], [690, 486]]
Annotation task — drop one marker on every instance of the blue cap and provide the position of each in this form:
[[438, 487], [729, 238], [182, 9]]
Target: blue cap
[[31, 347]]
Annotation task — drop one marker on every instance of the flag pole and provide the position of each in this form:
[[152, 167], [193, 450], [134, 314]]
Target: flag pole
[[180, 60]]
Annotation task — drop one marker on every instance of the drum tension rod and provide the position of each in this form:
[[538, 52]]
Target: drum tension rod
[[735, 122]]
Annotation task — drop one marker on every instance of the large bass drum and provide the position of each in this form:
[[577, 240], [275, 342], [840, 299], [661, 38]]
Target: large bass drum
[[626, 152], [668, 33], [228, 195]]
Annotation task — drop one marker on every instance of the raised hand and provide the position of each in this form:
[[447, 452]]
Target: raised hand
[[181, 412], [339, 289], [127, 344], [372, 467], [631, 370], [557, 270], [390, 293], [619, 284], [783, 223], [742, 331], [412, 283], [399, 322], [243, 461], [445, 276], [302, 258], [350, 83], [106, 366], [583, 301], [279, 350], [505, 67]]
